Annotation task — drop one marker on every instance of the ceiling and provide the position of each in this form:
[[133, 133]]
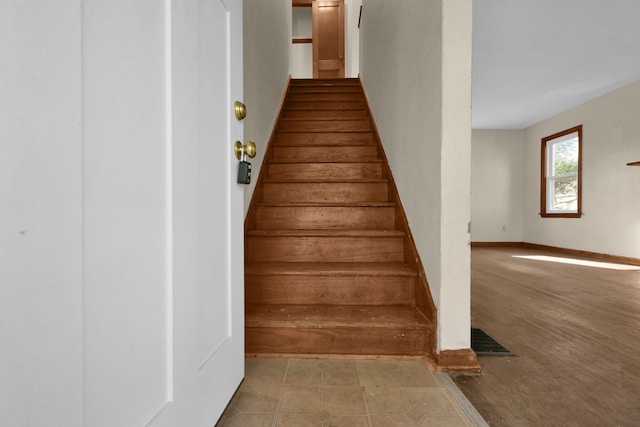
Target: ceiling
[[533, 59]]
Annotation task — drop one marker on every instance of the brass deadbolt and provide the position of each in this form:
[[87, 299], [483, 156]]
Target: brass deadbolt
[[249, 149]]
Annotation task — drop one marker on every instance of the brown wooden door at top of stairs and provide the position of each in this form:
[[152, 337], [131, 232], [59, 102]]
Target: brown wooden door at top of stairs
[[328, 39]]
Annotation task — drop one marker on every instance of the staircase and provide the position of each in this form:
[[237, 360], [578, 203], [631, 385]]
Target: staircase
[[330, 265]]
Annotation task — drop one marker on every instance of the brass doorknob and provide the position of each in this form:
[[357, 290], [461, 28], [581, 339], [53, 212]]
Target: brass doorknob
[[239, 110], [249, 149]]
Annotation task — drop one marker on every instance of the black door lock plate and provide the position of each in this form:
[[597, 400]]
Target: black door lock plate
[[244, 172]]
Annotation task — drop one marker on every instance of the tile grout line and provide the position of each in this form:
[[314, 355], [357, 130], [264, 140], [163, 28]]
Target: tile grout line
[[322, 388], [279, 402], [406, 396], [364, 394]]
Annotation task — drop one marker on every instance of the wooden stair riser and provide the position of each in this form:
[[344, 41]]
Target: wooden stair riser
[[326, 114], [324, 249], [291, 106], [325, 138], [324, 154], [338, 290], [323, 192], [319, 171], [324, 125], [326, 89], [338, 96], [325, 217], [337, 340], [352, 81]]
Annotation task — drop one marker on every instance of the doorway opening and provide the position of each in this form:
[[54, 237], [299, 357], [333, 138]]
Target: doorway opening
[[318, 43]]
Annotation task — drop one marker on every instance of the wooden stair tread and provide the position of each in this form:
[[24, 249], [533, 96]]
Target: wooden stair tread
[[337, 171], [325, 96], [324, 180], [353, 80], [306, 138], [332, 84], [309, 80], [320, 132], [321, 104], [325, 192], [359, 162], [300, 144], [342, 153], [328, 108], [307, 161], [319, 117], [327, 146], [327, 205], [351, 131], [343, 114], [325, 233], [366, 132], [328, 316], [326, 89], [329, 269]]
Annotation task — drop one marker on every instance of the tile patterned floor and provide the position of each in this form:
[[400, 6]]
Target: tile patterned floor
[[334, 393]]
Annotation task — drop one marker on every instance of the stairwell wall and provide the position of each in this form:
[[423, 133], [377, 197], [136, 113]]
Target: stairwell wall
[[351, 37], [415, 60], [267, 42]]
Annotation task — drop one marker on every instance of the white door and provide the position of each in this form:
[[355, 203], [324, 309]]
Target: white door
[[220, 350], [121, 244], [208, 213], [163, 215]]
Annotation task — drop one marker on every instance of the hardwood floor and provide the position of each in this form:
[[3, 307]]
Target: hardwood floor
[[576, 331]]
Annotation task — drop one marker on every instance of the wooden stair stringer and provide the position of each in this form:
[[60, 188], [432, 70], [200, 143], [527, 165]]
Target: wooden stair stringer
[[424, 300], [250, 220]]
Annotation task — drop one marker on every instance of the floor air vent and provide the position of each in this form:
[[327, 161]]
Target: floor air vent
[[484, 345]]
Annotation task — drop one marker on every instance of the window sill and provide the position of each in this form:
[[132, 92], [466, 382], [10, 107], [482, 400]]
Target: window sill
[[561, 215]]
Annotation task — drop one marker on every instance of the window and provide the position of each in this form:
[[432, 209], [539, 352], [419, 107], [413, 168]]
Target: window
[[561, 174]]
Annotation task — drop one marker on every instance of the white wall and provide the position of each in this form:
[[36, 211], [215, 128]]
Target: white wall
[[302, 22], [416, 69], [267, 41], [610, 198], [302, 60], [497, 185], [302, 53], [455, 293], [351, 38], [41, 211]]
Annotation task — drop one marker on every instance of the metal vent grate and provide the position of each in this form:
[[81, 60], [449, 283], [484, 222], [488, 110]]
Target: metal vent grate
[[484, 345]]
